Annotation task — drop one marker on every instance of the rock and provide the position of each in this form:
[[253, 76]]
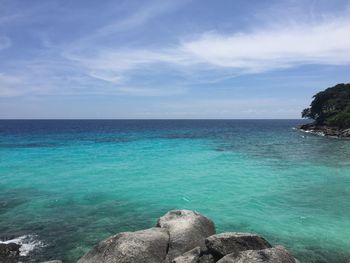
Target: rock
[[223, 244], [53, 261], [276, 254], [9, 253], [145, 246], [187, 230], [345, 133], [206, 258], [326, 130], [184, 236], [191, 256]]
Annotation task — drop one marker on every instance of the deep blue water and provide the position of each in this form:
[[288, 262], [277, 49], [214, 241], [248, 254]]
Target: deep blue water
[[70, 183]]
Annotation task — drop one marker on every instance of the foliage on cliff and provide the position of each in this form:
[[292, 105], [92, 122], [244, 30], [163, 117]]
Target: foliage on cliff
[[331, 107]]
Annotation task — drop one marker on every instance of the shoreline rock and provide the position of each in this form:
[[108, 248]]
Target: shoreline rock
[[9, 252], [187, 230], [276, 254], [232, 242], [144, 246], [184, 236], [180, 236], [325, 130]]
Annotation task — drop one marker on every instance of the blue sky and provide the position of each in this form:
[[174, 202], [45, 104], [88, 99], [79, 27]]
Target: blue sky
[[169, 59]]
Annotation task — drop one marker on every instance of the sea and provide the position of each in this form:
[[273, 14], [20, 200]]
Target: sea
[[67, 184]]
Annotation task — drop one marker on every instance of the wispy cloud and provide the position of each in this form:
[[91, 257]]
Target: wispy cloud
[[135, 18], [151, 92], [260, 50], [113, 65], [272, 48], [84, 65], [232, 108], [139, 17], [12, 85]]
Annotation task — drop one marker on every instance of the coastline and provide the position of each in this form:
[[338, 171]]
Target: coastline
[[322, 130]]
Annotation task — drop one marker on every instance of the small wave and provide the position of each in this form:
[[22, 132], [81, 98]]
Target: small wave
[[314, 132], [28, 243], [185, 199]]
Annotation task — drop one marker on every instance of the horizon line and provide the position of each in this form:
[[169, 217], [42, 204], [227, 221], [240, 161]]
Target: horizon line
[[139, 119]]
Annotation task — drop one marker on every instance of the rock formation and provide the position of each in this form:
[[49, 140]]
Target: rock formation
[[187, 230], [325, 130], [145, 246], [183, 236], [276, 254], [9, 253], [232, 242]]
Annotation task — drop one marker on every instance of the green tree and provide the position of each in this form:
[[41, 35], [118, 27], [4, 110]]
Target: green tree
[[331, 107]]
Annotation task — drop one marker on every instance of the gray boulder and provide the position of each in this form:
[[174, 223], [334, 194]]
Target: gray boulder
[[187, 230], [146, 246], [276, 254], [191, 256], [223, 244], [53, 261], [9, 253], [206, 258]]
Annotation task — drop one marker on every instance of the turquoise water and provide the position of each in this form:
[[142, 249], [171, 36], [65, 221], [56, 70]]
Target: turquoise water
[[70, 184]]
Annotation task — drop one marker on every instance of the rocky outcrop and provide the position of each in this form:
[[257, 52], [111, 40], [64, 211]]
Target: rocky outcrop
[[184, 236], [187, 230], [145, 246], [325, 130], [191, 256], [9, 253], [227, 243], [276, 254]]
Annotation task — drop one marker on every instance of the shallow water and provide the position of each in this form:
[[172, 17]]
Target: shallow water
[[72, 183]]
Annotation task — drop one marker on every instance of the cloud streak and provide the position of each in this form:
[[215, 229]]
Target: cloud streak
[[139, 17], [261, 50], [274, 48]]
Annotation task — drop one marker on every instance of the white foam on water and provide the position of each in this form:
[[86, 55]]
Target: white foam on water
[[314, 132], [28, 243]]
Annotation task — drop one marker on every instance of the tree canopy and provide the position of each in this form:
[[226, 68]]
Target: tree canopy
[[331, 107]]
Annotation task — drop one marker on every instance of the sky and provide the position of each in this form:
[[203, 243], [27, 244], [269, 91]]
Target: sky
[[160, 59]]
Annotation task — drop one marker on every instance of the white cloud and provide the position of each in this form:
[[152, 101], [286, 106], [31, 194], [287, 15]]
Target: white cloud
[[260, 50], [112, 66], [209, 57], [273, 48]]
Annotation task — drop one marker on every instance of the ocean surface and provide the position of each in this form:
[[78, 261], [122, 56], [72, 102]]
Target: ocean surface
[[67, 184]]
